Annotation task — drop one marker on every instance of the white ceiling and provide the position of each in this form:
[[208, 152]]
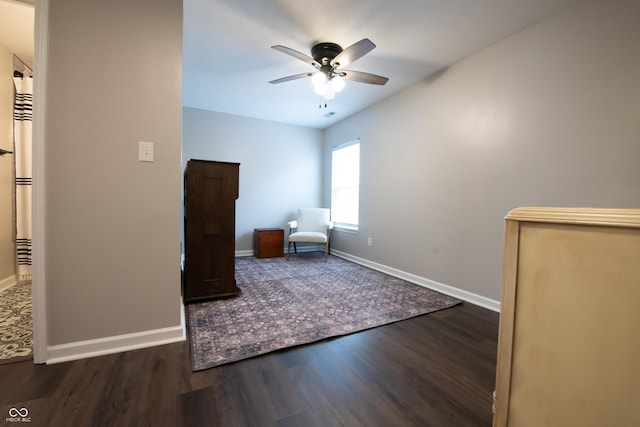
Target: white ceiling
[[16, 29], [228, 60]]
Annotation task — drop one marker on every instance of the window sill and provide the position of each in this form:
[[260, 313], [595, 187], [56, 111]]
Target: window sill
[[343, 229]]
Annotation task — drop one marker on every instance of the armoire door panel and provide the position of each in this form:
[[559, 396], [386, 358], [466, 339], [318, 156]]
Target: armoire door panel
[[211, 189]]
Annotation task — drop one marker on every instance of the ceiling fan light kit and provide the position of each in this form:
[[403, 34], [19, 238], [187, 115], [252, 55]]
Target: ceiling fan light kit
[[328, 59], [327, 87]]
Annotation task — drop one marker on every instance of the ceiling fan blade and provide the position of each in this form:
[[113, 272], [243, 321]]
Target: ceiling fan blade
[[359, 76], [353, 52], [299, 55], [289, 78]]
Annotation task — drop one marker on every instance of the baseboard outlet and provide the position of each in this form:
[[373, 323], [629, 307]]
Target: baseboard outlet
[[470, 297], [116, 344], [8, 282]]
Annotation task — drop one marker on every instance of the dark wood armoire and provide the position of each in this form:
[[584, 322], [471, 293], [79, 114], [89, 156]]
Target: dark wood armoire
[[210, 193]]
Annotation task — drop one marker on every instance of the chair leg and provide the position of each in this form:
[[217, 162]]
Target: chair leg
[[326, 251], [288, 251], [295, 248]]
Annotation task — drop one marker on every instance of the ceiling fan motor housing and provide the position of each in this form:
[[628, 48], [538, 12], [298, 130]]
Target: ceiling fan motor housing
[[325, 52]]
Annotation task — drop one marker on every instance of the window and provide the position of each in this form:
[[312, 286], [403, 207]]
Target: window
[[345, 185]]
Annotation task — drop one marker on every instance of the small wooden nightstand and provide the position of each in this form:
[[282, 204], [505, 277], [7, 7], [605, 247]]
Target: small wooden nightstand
[[268, 242]]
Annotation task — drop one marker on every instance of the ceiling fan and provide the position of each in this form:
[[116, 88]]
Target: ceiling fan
[[329, 59]]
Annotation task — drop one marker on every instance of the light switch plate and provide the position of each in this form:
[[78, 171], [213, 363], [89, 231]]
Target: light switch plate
[[145, 151]]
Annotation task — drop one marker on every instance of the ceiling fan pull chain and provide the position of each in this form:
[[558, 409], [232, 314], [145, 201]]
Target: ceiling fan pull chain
[[322, 99]]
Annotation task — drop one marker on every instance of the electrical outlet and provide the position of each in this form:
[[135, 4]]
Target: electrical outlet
[[145, 151], [369, 241]]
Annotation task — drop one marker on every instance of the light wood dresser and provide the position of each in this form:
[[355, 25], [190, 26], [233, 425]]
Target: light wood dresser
[[569, 340]]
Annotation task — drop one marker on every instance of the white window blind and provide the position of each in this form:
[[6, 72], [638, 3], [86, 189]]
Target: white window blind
[[345, 185]]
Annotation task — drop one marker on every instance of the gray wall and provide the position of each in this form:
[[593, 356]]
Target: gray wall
[[112, 222], [549, 116], [280, 165]]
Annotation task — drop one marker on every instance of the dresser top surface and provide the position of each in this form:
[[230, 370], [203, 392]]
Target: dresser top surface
[[587, 216]]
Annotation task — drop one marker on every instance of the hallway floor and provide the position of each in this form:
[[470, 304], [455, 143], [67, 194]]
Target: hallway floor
[[16, 323]]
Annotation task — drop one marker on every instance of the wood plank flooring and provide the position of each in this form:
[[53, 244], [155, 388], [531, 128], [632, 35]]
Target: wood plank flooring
[[432, 370]]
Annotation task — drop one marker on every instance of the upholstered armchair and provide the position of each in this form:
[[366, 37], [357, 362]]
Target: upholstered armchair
[[312, 226]]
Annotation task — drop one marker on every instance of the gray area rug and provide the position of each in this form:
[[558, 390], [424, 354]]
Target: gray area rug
[[288, 303], [16, 323]]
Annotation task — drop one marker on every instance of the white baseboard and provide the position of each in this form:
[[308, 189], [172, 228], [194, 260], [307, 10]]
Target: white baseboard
[[116, 344], [244, 253], [301, 248], [422, 281], [8, 282]]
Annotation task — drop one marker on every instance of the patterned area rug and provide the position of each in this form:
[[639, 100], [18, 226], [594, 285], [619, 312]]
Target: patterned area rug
[[16, 323], [288, 303]]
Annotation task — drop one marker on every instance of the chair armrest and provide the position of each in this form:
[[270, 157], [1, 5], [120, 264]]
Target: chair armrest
[[292, 224], [330, 225]]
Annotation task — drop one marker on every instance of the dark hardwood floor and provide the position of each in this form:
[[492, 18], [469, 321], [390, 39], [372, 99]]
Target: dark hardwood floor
[[432, 370]]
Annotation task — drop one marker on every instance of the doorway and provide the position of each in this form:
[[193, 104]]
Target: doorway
[[16, 55]]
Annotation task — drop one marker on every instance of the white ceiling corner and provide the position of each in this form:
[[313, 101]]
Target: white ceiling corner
[[16, 29]]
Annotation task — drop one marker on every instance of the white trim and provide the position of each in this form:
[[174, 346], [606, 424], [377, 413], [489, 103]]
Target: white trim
[[353, 227], [110, 345], [341, 229], [345, 144], [183, 318], [346, 228], [38, 192], [244, 253], [8, 282], [302, 247], [422, 281]]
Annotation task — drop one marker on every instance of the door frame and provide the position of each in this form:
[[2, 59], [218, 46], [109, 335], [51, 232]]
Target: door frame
[[38, 194]]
